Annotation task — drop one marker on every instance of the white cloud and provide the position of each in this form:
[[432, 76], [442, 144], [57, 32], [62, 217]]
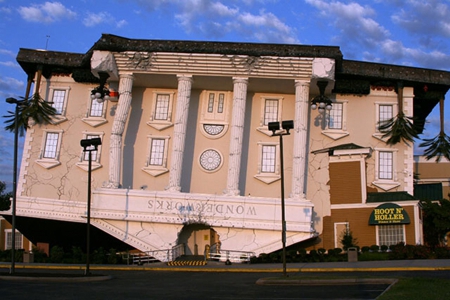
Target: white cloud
[[10, 84], [94, 19], [7, 52], [49, 12], [11, 64]]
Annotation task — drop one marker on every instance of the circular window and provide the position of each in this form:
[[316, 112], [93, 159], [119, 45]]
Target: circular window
[[210, 160], [213, 129]]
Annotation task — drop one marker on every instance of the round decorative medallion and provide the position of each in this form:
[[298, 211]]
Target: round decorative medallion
[[210, 160], [213, 129]]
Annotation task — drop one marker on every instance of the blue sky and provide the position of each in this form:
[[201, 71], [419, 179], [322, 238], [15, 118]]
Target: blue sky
[[404, 32]]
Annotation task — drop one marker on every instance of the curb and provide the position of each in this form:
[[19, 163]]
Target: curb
[[347, 281], [61, 278]]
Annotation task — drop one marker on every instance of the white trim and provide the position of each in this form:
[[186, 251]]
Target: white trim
[[49, 163], [336, 238], [152, 169], [83, 164], [162, 124], [95, 121], [263, 128], [268, 177], [56, 119], [337, 134], [386, 184], [373, 204]]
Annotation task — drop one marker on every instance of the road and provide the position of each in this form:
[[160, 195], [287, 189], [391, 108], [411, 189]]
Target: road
[[197, 285]]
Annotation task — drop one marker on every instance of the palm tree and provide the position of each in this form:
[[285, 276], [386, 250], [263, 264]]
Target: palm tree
[[39, 111], [401, 127], [440, 145]]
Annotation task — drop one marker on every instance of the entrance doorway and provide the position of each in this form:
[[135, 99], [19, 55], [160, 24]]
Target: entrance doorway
[[196, 237]]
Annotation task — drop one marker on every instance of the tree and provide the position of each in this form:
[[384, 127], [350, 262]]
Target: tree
[[347, 239], [5, 202], [436, 221], [440, 145], [399, 128], [34, 108]]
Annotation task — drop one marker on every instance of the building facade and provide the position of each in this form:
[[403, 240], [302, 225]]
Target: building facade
[[186, 156]]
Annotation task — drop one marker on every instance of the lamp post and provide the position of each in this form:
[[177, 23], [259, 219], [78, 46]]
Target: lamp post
[[14, 197], [89, 145], [276, 131]]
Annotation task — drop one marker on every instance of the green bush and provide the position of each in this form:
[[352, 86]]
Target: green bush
[[56, 254], [374, 248], [365, 249]]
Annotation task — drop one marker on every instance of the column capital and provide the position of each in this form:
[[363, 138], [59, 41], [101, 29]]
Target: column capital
[[185, 77], [126, 75], [302, 82], [240, 80]]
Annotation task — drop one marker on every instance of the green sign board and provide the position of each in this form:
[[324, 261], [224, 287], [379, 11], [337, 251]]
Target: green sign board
[[389, 213]]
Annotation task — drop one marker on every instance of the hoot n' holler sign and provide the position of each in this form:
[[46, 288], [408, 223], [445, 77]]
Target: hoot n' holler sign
[[389, 213]]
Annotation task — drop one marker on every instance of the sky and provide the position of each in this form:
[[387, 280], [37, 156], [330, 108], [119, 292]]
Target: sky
[[402, 32]]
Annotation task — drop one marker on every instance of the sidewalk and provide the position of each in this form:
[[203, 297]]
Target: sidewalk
[[363, 266]]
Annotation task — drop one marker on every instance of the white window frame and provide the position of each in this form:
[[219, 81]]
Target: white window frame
[[268, 177], [83, 162], [263, 127], [337, 133], [161, 124], [214, 124], [386, 226], [59, 117], [95, 121], [156, 170], [377, 134], [49, 162], [383, 183], [19, 239], [337, 234]]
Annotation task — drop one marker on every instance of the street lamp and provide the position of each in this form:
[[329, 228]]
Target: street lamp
[[321, 101], [89, 145], [101, 93], [14, 196], [276, 131]]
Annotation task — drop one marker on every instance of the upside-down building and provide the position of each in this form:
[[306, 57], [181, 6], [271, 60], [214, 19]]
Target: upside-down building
[[187, 157]]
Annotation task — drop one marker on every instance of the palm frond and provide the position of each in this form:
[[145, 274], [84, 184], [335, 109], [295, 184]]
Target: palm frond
[[34, 108], [399, 128], [437, 147]]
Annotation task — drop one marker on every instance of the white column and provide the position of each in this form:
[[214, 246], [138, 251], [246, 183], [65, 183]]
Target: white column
[[120, 118], [179, 132], [237, 132], [300, 138]]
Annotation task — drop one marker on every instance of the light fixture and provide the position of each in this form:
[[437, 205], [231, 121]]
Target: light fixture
[[89, 145], [101, 93], [275, 128], [321, 101]]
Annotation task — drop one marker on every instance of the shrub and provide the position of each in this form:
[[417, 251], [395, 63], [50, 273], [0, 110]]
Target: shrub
[[56, 254], [384, 248], [365, 249], [374, 248]]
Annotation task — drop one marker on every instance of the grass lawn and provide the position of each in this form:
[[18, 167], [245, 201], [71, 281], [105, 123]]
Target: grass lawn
[[418, 288]]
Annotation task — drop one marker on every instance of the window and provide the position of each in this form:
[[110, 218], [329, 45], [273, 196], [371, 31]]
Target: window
[[58, 96], [157, 152], [51, 144], [268, 159], [161, 115], [390, 234], [271, 111], [156, 160], [385, 169], [336, 116], [384, 112], [96, 109], [385, 162], [18, 240], [95, 155], [336, 124], [214, 114], [96, 112], [58, 101], [269, 163], [162, 107]]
